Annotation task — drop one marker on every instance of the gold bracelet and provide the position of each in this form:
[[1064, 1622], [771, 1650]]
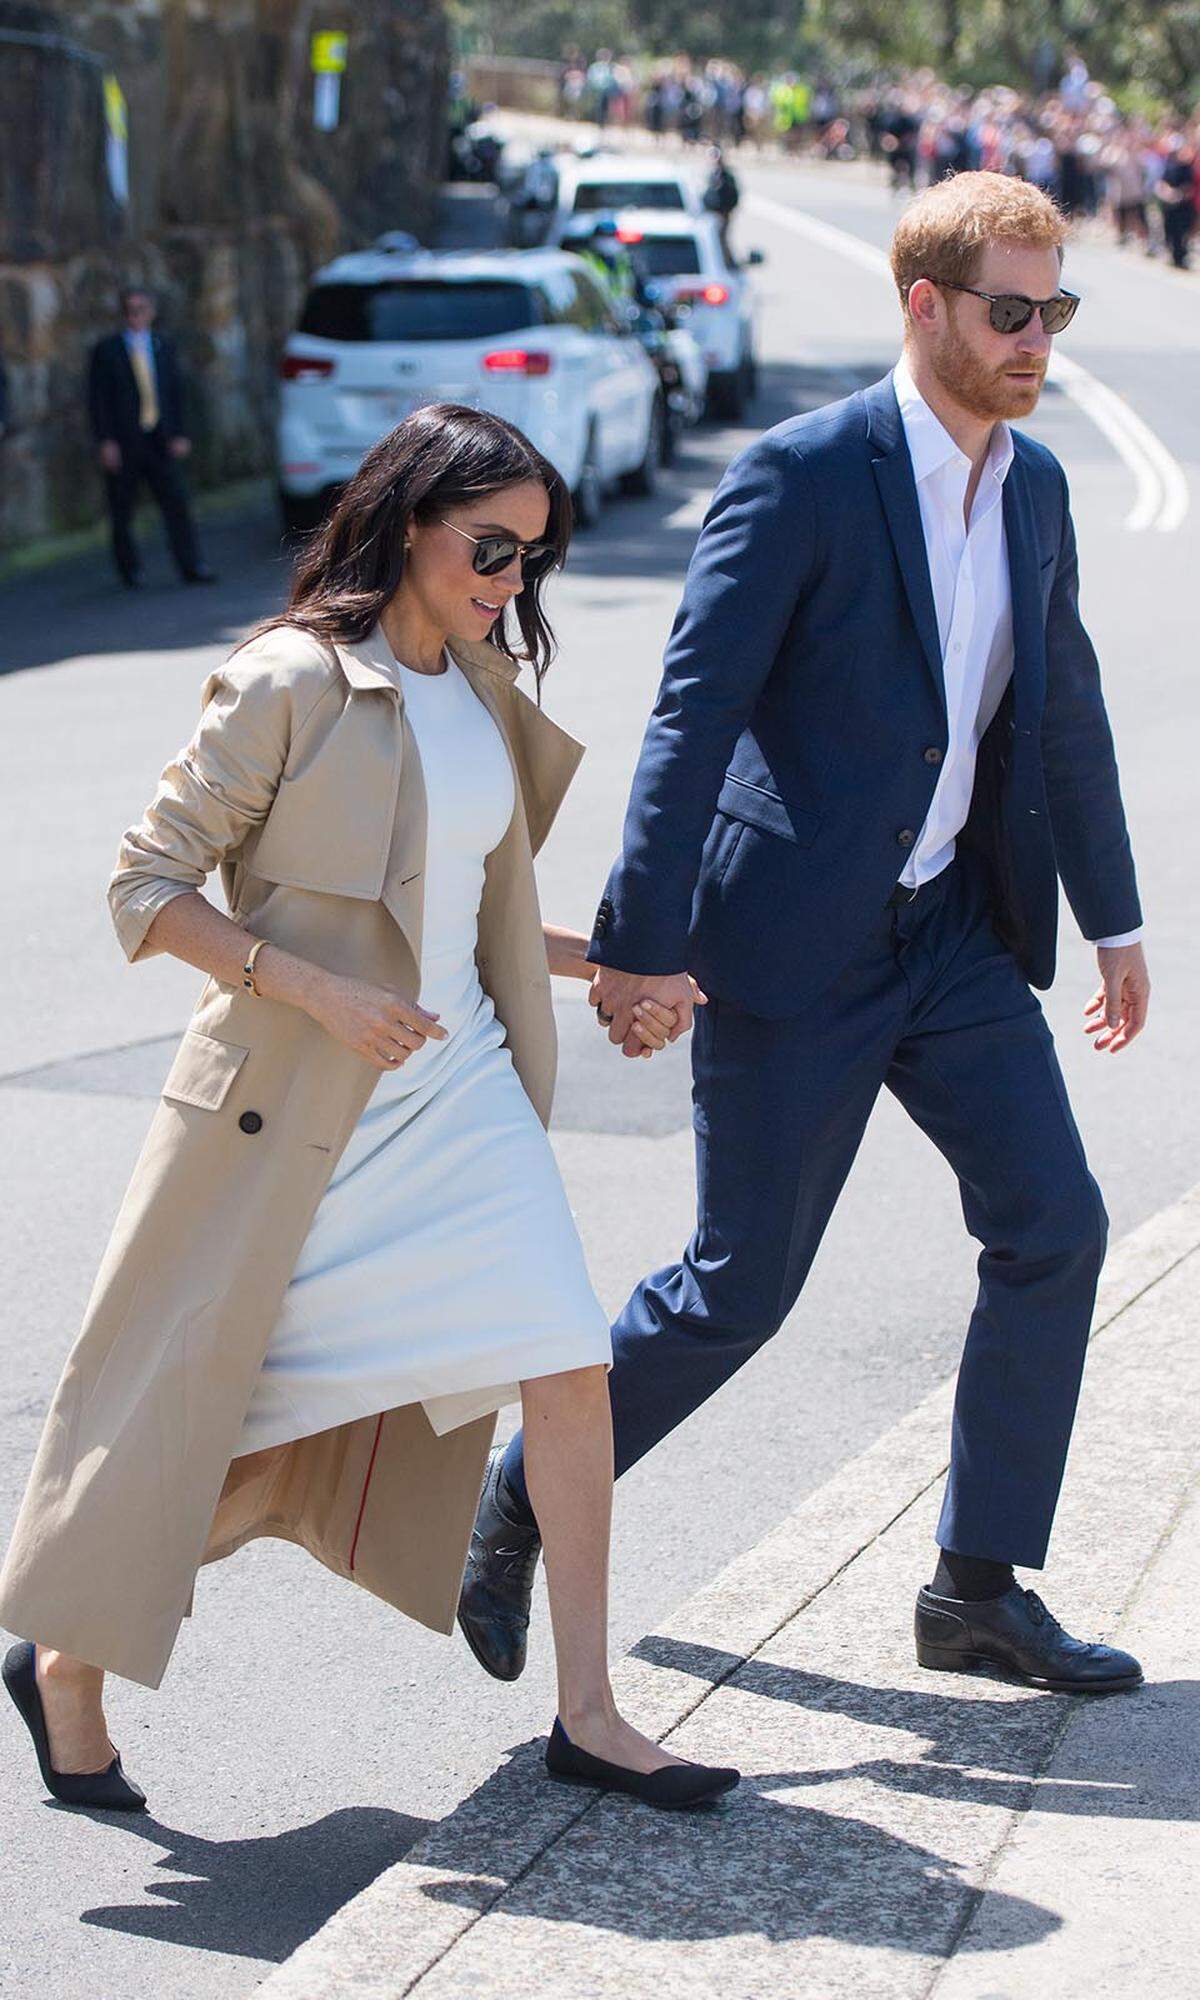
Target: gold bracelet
[[248, 968]]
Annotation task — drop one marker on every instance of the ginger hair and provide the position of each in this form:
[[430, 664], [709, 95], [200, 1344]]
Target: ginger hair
[[945, 231]]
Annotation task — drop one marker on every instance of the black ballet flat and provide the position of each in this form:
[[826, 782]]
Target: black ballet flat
[[673, 1788], [109, 1789]]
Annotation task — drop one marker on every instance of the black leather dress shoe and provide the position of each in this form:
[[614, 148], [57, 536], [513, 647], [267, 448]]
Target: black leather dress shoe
[[108, 1789], [674, 1787], [493, 1609], [1016, 1635]]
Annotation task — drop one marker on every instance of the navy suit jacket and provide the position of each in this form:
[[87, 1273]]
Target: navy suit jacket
[[114, 404], [797, 735]]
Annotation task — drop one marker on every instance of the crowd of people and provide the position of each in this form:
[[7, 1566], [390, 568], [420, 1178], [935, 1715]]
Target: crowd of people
[[1070, 139]]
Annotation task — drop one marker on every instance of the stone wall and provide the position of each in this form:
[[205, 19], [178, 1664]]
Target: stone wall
[[234, 198]]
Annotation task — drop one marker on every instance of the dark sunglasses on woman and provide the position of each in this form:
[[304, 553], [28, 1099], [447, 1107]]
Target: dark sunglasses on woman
[[1011, 312], [495, 552]]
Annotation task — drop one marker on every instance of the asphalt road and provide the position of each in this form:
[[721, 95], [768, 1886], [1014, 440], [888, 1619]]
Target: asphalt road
[[306, 1735]]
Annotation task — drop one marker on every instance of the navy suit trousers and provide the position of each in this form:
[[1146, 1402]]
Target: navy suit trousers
[[935, 1008]]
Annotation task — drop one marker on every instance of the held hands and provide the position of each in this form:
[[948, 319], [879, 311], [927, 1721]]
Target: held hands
[[1117, 1013], [643, 1013], [110, 455], [372, 1020], [180, 447]]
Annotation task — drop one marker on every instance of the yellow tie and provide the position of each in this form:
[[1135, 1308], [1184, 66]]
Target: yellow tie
[[143, 375]]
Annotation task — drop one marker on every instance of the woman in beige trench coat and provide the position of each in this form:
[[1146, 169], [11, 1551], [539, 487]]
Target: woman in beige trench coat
[[303, 783]]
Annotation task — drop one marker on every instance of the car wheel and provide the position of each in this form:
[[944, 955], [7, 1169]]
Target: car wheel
[[644, 477], [587, 499], [751, 375], [727, 394]]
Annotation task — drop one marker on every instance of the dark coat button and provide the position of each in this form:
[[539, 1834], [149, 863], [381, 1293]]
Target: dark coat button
[[250, 1121], [600, 925], [906, 836], [933, 755]]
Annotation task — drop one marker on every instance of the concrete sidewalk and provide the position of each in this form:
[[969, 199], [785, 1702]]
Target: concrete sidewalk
[[897, 1832]]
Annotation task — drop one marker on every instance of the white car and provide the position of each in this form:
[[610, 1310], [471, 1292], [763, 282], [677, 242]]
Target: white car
[[530, 334], [603, 183], [683, 254]]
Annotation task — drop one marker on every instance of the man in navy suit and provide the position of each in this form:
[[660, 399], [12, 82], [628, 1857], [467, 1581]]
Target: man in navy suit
[[878, 745], [135, 400]]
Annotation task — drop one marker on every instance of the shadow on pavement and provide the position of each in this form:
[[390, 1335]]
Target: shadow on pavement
[[258, 1898], [975, 1750], [77, 607], [754, 1866]]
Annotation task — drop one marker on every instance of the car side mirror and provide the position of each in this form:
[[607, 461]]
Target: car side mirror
[[756, 257]]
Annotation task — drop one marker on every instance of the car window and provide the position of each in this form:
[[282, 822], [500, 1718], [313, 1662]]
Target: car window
[[420, 309], [667, 256], [590, 195]]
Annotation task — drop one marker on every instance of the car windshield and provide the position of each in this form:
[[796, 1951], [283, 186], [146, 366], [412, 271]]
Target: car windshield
[[419, 309], [667, 256], [591, 195]]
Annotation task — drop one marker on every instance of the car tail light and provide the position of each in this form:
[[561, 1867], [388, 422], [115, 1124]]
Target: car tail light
[[705, 295], [305, 368], [626, 233], [517, 361]]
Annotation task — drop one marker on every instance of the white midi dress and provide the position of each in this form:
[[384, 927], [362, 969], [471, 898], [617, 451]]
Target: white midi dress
[[443, 1265]]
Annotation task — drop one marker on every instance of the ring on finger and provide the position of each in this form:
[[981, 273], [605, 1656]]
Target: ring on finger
[[605, 1020]]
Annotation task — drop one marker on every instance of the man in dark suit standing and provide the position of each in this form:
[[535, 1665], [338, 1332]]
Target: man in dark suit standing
[[135, 399], [879, 744]]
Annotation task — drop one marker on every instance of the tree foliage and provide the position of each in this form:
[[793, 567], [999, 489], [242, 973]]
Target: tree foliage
[[1149, 50]]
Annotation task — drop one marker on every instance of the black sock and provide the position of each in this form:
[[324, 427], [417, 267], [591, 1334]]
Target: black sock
[[971, 1578]]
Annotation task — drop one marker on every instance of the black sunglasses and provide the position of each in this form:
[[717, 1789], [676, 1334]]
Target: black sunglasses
[[1011, 312], [495, 552]]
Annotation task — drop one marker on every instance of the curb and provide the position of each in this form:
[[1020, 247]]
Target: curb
[[385, 1940]]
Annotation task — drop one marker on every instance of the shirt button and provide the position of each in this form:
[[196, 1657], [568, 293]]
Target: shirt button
[[250, 1121], [933, 755], [906, 836]]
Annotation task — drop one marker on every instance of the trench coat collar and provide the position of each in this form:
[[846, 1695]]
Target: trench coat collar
[[370, 664]]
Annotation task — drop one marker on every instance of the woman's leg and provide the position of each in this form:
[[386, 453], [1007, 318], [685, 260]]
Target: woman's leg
[[72, 1695], [569, 1471]]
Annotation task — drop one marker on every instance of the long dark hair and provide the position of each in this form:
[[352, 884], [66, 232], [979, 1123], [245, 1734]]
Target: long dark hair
[[442, 456]]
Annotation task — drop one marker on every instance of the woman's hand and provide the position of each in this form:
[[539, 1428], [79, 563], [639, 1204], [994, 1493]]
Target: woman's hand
[[374, 1021], [653, 1026]]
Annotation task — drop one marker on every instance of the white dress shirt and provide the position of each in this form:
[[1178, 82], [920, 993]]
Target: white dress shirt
[[972, 595]]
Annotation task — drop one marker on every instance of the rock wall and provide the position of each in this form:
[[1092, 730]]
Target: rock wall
[[234, 197]]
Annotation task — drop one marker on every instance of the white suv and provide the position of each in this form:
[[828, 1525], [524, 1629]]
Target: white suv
[[683, 254], [530, 334], [604, 183]]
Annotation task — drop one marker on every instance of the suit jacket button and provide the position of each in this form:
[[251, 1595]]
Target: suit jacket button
[[933, 755], [906, 836], [250, 1121]]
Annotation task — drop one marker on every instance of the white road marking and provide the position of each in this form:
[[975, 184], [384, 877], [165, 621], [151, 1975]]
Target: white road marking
[[1161, 493]]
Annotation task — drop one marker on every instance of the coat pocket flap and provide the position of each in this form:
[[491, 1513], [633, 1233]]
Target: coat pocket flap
[[203, 1070], [768, 812]]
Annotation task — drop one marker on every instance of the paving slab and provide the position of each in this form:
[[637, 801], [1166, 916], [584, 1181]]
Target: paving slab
[[895, 1828]]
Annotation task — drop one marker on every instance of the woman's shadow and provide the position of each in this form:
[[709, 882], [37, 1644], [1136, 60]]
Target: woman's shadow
[[258, 1898]]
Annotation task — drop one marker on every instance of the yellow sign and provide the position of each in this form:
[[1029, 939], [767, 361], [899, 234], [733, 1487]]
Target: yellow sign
[[329, 54], [116, 112]]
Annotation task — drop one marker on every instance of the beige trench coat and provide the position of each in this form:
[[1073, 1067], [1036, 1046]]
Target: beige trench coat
[[303, 783]]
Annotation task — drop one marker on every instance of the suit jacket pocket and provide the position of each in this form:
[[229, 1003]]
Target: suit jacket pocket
[[203, 1070], [768, 812]]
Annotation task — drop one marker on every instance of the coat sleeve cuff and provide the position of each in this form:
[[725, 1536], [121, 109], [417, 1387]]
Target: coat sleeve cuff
[[134, 911]]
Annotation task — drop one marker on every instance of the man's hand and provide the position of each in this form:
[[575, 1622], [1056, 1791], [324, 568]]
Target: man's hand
[[110, 455], [614, 994], [1117, 1013], [180, 447]]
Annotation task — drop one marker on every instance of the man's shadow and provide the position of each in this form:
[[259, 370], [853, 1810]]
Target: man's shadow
[[976, 1750], [258, 1898]]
